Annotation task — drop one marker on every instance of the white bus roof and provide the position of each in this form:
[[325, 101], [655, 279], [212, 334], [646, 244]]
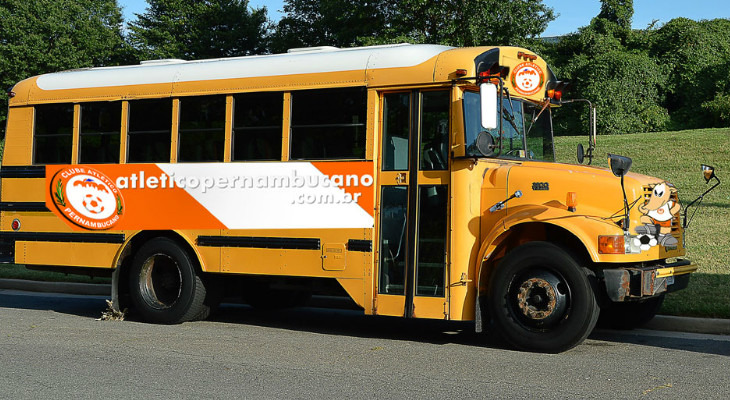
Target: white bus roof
[[298, 61]]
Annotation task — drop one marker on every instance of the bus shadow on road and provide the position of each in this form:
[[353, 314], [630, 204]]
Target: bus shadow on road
[[696, 343], [349, 322], [346, 321], [82, 306]]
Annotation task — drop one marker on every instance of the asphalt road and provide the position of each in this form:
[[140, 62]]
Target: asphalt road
[[52, 346]]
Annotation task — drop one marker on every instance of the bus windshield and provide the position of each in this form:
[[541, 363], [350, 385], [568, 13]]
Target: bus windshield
[[526, 129]]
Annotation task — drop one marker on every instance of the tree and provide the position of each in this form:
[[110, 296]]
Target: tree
[[619, 12], [697, 54], [449, 22], [40, 36], [331, 23], [473, 22], [626, 88], [192, 29]]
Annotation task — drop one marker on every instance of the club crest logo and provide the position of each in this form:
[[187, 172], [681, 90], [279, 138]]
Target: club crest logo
[[527, 78], [87, 197]]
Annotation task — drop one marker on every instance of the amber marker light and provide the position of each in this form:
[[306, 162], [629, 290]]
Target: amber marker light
[[611, 244], [460, 72], [572, 201]]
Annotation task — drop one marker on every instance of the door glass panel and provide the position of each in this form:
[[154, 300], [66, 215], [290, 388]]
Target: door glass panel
[[395, 131], [434, 130], [393, 219], [431, 266]]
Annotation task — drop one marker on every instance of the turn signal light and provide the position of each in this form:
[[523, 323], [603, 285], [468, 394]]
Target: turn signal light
[[611, 245], [572, 201]]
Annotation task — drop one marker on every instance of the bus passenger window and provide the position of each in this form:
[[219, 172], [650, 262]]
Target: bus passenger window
[[328, 124], [202, 128], [257, 121], [53, 134], [434, 130], [99, 136], [149, 137]]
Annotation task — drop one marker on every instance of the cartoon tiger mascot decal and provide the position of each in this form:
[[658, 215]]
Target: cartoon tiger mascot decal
[[658, 210]]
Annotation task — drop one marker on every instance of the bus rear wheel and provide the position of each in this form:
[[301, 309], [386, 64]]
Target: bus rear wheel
[[541, 299], [164, 285]]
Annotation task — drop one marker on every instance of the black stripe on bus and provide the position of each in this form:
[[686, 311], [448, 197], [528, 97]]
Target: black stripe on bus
[[114, 238], [360, 245], [24, 171], [260, 242], [23, 206]]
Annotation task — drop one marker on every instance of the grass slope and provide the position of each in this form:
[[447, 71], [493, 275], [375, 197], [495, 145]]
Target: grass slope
[[676, 157]]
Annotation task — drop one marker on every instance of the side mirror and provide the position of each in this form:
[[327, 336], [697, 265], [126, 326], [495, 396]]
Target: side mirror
[[580, 153], [708, 172], [485, 144], [488, 97], [620, 165]]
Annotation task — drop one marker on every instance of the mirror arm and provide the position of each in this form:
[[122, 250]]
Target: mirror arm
[[698, 201], [592, 129]]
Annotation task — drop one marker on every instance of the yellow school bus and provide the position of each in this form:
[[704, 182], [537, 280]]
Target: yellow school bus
[[419, 180]]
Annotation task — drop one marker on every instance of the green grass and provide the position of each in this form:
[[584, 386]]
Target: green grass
[[676, 157]]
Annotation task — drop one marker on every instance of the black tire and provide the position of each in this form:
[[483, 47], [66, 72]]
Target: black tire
[[164, 285], [629, 315], [540, 299]]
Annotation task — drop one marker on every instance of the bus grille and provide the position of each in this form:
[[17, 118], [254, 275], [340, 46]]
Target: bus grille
[[674, 197]]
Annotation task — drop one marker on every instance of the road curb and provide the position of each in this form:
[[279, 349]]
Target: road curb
[[713, 326], [660, 322]]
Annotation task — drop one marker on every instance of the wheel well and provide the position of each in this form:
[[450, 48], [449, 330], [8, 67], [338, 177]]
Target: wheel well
[[530, 232], [128, 253]]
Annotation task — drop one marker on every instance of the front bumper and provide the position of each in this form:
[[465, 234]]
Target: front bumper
[[626, 284]]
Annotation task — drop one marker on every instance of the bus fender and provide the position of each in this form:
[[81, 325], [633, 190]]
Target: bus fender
[[126, 251], [585, 229]]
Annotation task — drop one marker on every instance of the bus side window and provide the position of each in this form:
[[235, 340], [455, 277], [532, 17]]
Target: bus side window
[[150, 126], [202, 128], [99, 135], [257, 121], [53, 134], [329, 124]]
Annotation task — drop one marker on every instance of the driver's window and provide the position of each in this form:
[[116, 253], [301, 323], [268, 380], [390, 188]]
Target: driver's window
[[512, 144], [513, 128], [473, 123]]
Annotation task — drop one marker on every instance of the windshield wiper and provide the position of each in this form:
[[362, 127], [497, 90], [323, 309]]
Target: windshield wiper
[[511, 119], [536, 117]]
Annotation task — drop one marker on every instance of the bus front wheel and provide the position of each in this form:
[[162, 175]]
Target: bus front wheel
[[541, 299], [164, 284]]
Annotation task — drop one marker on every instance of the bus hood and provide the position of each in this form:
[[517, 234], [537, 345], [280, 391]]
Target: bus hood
[[597, 192]]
